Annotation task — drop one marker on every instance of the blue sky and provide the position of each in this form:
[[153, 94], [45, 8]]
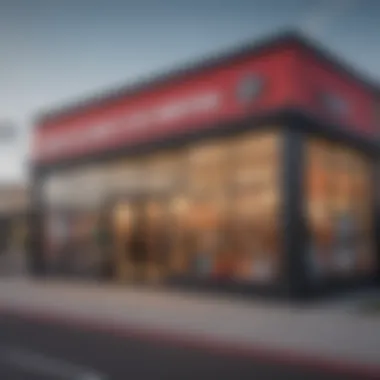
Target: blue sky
[[55, 51]]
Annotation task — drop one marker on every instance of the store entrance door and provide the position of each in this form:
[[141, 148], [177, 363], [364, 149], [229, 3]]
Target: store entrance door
[[142, 239], [208, 241]]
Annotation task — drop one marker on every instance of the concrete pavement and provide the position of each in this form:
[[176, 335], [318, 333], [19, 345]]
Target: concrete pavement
[[13, 263], [320, 336]]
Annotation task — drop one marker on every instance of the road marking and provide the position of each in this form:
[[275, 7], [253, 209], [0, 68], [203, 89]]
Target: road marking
[[41, 364]]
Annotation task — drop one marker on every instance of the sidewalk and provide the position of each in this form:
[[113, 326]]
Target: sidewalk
[[322, 335], [12, 263]]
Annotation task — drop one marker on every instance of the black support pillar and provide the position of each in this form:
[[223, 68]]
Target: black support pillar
[[35, 252], [295, 279]]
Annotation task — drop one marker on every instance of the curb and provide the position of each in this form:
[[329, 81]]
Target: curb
[[216, 346]]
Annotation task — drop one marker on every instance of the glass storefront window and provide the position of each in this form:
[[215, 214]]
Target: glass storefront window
[[207, 169], [56, 190], [254, 156], [257, 235], [164, 172], [178, 209], [339, 194], [216, 203], [201, 223], [363, 211], [255, 206], [125, 177]]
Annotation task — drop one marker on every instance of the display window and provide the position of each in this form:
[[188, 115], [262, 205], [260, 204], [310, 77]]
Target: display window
[[179, 207], [254, 158], [207, 169], [339, 196], [204, 222], [255, 203], [164, 173], [257, 235], [363, 210], [125, 177], [209, 210]]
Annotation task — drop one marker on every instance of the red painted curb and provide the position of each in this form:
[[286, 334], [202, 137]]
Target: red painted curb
[[193, 340]]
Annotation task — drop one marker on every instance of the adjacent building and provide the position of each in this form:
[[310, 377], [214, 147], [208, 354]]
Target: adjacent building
[[14, 212]]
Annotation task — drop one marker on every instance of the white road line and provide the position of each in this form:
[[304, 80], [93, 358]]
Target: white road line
[[40, 364]]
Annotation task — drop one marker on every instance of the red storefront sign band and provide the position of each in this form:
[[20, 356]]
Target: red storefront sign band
[[269, 81], [137, 122]]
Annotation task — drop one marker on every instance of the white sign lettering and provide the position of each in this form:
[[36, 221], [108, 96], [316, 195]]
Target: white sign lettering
[[194, 105]]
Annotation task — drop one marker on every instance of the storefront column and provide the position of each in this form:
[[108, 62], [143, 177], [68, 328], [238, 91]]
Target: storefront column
[[294, 219], [34, 244]]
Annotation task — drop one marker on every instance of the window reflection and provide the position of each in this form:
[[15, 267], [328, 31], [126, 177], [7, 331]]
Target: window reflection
[[339, 195], [210, 210]]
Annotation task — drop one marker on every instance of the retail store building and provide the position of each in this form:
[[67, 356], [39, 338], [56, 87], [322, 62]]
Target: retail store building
[[255, 170]]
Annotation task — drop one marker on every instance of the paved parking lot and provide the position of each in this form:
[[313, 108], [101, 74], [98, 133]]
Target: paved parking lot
[[48, 351], [314, 337]]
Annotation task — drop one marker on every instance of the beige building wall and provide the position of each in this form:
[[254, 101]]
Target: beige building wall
[[14, 204]]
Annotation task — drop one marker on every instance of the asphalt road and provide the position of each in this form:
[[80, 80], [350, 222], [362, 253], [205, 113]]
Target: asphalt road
[[31, 350]]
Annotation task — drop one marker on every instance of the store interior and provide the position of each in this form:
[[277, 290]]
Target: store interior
[[209, 210]]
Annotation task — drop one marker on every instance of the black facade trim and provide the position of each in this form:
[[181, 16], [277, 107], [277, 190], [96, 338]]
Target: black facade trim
[[292, 117], [294, 230]]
